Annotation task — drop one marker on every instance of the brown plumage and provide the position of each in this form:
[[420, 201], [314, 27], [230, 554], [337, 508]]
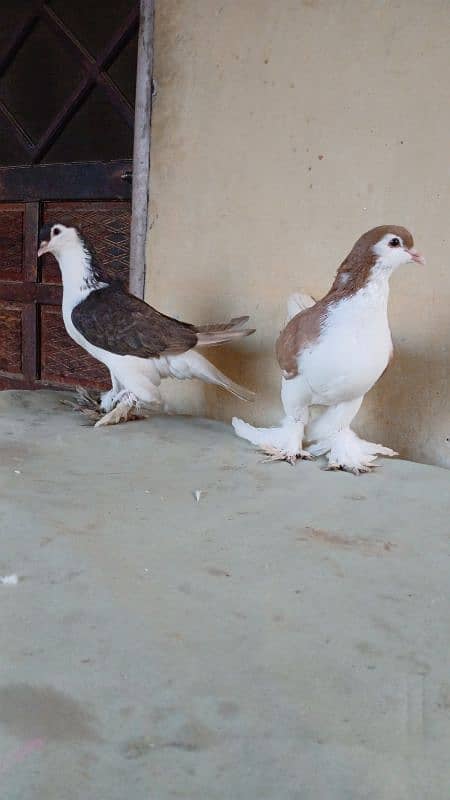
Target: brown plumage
[[354, 272], [358, 264], [116, 321], [332, 353], [300, 332], [139, 345]]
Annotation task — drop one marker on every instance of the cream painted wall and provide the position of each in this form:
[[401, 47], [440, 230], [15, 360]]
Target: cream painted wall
[[281, 132]]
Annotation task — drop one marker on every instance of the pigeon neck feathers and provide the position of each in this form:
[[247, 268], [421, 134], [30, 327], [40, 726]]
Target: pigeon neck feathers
[[80, 271], [93, 275]]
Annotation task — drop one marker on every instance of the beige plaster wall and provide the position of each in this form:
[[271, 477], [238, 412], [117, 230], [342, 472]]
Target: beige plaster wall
[[281, 132]]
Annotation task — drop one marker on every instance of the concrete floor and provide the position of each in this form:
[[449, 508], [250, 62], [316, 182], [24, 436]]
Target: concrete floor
[[286, 638]]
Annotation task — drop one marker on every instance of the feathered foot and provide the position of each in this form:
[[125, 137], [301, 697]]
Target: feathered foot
[[127, 408], [360, 469], [274, 454], [108, 400], [282, 443], [348, 453], [89, 404]]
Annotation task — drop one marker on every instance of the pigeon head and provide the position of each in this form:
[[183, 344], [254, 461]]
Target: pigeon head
[[76, 259], [382, 249], [57, 238], [396, 247]]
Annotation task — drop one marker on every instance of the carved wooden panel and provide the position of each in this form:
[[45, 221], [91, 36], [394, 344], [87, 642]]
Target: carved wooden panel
[[62, 361], [35, 349], [106, 228], [11, 337], [11, 242]]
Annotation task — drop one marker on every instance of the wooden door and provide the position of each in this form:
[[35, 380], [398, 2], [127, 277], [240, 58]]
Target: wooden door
[[67, 80]]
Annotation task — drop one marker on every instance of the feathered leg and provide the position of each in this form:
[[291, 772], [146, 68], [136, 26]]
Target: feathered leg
[[140, 395], [331, 434], [125, 402], [109, 399], [283, 443]]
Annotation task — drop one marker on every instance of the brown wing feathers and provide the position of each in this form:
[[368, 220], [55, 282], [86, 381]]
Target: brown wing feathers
[[300, 332], [118, 322]]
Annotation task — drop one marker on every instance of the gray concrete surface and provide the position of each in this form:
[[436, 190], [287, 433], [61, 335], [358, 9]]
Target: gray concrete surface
[[286, 638]]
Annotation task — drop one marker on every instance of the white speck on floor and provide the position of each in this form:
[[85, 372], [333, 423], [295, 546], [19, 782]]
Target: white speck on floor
[[9, 580]]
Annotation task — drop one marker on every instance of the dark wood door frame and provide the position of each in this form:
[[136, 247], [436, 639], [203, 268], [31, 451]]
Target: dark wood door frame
[[83, 181], [141, 149]]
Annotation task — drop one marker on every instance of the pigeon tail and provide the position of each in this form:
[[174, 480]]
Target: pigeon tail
[[210, 374], [194, 365], [215, 334], [298, 302]]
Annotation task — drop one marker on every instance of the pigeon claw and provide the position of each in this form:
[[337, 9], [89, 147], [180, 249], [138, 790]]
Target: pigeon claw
[[119, 413], [361, 469], [126, 408], [275, 454]]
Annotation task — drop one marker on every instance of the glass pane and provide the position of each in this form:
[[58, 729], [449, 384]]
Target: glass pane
[[93, 23], [97, 132], [123, 70], [12, 14], [11, 152], [39, 80]]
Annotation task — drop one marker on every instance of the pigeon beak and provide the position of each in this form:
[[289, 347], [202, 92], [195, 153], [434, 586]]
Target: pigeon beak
[[43, 248], [416, 256]]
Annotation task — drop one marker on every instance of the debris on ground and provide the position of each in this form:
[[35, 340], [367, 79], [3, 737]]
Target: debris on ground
[[9, 580], [197, 494]]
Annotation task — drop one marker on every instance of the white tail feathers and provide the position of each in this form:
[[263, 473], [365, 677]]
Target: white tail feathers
[[193, 365], [284, 437], [231, 386], [298, 302]]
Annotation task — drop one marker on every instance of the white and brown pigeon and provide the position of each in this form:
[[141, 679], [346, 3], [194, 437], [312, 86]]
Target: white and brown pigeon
[[138, 344], [331, 353]]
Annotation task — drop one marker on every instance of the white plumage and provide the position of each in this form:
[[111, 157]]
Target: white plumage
[[351, 350], [139, 345]]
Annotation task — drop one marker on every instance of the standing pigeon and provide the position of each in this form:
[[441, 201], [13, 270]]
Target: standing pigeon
[[138, 344], [331, 353]]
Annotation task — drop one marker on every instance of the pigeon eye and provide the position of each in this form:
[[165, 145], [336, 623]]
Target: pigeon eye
[[394, 242], [56, 231]]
